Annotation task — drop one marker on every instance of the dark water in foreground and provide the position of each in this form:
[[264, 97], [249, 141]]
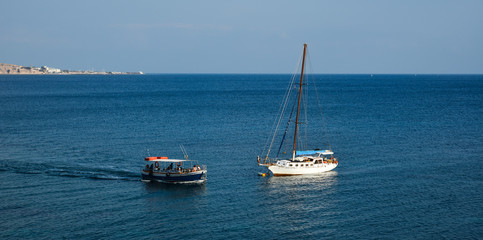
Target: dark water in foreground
[[410, 154]]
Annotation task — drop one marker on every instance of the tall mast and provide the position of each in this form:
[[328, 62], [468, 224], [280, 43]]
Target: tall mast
[[298, 105]]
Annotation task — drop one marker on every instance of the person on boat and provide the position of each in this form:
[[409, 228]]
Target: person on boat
[[194, 168], [150, 170], [170, 167], [198, 166]]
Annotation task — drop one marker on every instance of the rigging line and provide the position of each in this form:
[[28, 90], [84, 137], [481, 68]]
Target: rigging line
[[320, 108], [285, 104], [302, 138], [306, 99], [309, 75], [287, 93], [286, 129], [281, 111]]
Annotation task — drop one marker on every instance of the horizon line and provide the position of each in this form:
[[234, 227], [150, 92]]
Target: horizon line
[[153, 73]]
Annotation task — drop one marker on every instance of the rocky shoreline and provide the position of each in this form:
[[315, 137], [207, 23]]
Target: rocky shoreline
[[11, 69]]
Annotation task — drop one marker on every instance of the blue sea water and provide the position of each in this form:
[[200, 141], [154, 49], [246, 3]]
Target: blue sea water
[[410, 151]]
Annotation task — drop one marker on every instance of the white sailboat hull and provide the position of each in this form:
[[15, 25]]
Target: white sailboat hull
[[278, 170]]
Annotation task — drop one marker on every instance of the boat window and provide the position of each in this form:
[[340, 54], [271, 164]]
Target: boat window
[[291, 165], [296, 165], [311, 165]]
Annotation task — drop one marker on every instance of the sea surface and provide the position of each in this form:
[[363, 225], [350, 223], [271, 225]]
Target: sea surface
[[410, 150]]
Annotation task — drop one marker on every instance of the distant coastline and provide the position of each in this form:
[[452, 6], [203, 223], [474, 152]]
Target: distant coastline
[[11, 69]]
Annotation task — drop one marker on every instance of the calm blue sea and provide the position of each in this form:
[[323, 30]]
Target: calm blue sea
[[410, 151]]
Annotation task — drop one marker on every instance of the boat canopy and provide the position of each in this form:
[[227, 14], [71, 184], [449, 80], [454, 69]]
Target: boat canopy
[[311, 152]]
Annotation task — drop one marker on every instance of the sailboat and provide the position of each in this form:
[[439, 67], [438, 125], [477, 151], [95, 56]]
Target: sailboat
[[312, 161]]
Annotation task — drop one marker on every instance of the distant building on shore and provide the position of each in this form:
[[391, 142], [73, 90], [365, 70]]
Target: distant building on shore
[[50, 70], [6, 68]]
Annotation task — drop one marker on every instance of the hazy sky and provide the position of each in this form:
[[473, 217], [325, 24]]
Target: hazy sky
[[423, 36]]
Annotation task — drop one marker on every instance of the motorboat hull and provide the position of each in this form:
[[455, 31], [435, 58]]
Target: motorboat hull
[[174, 177]]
